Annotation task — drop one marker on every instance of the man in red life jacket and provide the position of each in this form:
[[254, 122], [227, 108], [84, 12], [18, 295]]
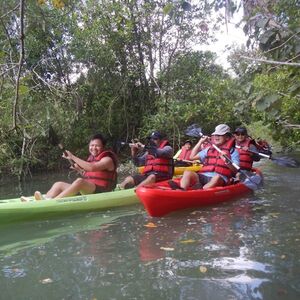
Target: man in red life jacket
[[216, 170], [98, 171], [246, 148], [158, 162]]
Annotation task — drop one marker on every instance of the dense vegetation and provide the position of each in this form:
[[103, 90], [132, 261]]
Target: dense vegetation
[[126, 67]]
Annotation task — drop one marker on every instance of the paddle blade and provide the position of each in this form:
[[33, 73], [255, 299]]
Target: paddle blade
[[194, 131], [253, 182], [286, 161]]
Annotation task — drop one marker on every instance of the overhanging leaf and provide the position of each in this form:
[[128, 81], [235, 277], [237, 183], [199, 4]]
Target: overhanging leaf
[[266, 102], [167, 9], [262, 23]]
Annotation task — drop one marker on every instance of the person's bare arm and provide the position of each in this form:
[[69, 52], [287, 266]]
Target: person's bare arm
[[106, 163]]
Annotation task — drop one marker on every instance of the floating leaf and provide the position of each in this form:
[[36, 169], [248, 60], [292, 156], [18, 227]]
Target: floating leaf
[[274, 242], [167, 248], [274, 215], [46, 280], [203, 269], [188, 241], [150, 225]]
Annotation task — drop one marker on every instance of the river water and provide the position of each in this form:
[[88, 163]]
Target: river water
[[245, 249]]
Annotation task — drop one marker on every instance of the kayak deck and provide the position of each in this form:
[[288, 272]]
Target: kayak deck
[[159, 199], [15, 209], [180, 170]]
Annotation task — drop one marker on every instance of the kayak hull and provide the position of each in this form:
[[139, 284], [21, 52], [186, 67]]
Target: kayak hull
[[159, 199], [179, 170], [14, 209]]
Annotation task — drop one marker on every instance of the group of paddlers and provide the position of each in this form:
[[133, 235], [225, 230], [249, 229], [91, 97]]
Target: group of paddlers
[[224, 156]]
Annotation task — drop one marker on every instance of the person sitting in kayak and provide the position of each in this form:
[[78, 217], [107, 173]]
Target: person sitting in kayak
[[98, 173], [158, 162], [182, 157], [216, 170], [263, 147], [246, 148]]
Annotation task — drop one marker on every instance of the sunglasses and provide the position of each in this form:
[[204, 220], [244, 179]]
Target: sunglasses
[[239, 133]]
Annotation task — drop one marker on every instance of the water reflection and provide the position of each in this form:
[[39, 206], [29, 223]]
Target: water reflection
[[247, 249]]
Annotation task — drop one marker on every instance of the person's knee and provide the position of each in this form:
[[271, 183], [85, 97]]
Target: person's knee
[[128, 179], [187, 174], [78, 182], [128, 182], [151, 178], [58, 184]]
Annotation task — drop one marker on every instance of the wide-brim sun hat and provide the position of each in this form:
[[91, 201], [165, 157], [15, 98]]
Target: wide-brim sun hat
[[221, 129]]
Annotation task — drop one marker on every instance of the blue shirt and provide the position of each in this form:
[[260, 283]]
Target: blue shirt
[[235, 158]]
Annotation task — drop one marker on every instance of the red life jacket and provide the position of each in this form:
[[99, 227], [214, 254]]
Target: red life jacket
[[185, 154], [214, 163], [246, 159], [159, 164], [105, 179]]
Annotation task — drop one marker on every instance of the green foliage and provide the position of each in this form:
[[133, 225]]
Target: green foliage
[[125, 68], [198, 91], [271, 91]]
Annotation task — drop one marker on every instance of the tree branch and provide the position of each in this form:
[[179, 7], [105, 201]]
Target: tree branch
[[21, 60], [10, 11], [266, 61]]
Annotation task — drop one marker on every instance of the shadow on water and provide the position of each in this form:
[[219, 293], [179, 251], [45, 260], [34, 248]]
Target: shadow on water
[[246, 249]]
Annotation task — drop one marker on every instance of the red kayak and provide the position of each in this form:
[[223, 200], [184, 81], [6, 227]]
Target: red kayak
[[159, 199]]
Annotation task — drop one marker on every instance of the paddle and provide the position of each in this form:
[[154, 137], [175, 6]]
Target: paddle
[[282, 161], [54, 140], [149, 146]]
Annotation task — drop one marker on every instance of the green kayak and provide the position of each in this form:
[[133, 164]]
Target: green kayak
[[12, 210]]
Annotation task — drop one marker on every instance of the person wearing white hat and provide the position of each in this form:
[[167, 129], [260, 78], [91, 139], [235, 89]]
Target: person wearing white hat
[[216, 170]]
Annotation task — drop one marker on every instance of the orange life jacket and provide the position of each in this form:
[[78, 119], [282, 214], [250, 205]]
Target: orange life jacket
[[105, 179], [159, 164], [214, 163], [185, 154], [246, 160]]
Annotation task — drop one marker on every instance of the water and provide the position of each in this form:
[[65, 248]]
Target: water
[[246, 249]]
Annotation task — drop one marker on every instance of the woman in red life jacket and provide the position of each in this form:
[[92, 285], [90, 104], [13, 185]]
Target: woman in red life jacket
[[182, 157], [98, 172], [158, 162], [185, 152], [216, 170]]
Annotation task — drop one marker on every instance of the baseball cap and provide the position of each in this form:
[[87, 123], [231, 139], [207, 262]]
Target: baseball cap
[[242, 130], [221, 129], [155, 135]]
